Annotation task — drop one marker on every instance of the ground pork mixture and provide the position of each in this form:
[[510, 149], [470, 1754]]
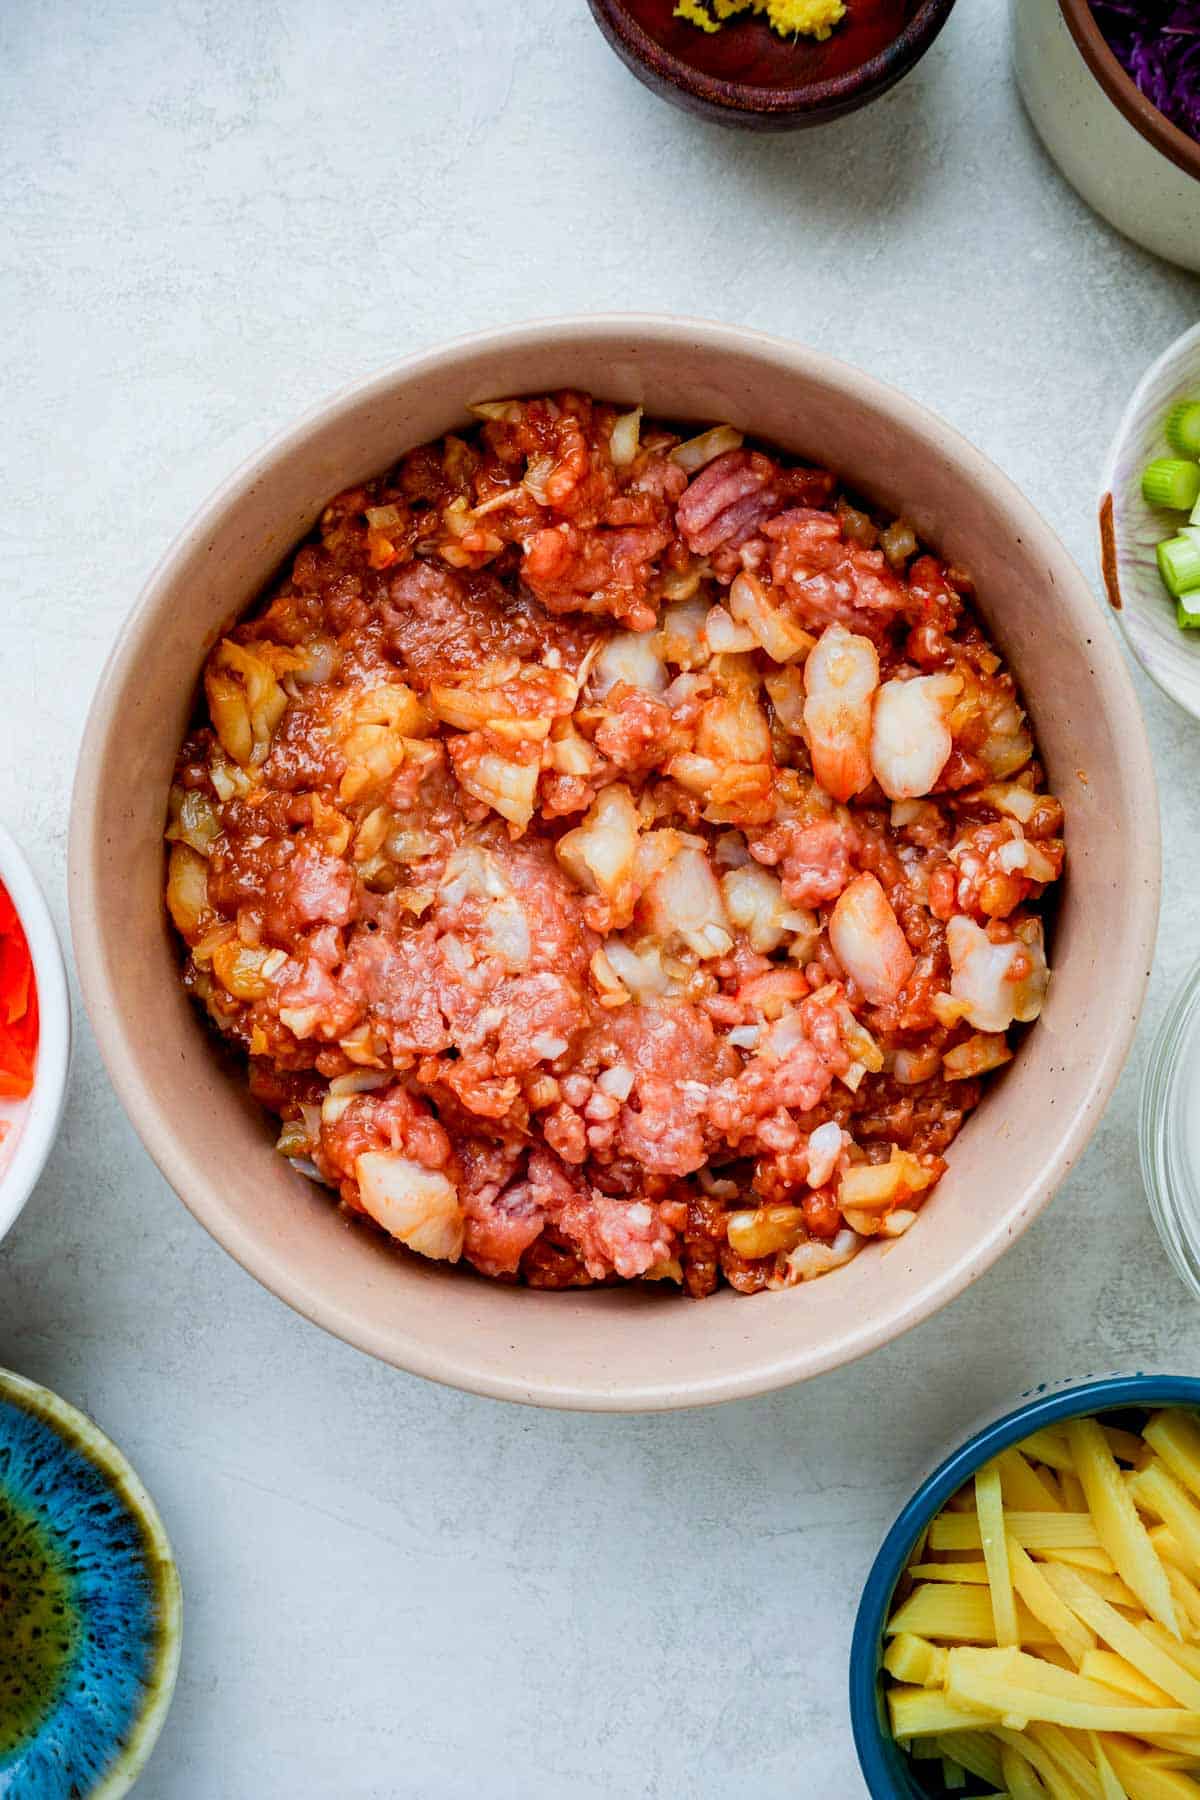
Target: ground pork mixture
[[617, 854]]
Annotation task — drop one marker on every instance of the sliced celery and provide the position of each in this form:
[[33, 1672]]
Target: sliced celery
[[1195, 518], [1183, 428], [1171, 482], [1179, 565], [1187, 611]]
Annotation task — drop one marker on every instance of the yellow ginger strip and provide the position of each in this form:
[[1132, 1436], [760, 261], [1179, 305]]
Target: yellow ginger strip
[[1146, 1781], [974, 1751], [1045, 1604], [1187, 1600], [1176, 1437], [958, 1614], [1049, 1446], [1110, 1784], [1025, 1488], [1019, 1777], [914, 1659], [1171, 1551], [1033, 1674], [1127, 1639], [1054, 1653], [1111, 1588], [975, 1574], [972, 1686], [923, 1712], [1178, 1749], [1032, 1530], [1113, 1671], [1125, 1445], [1155, 1489], [1121, 1531], [1070, 1758], [1170, 1759], [1186, 1655], [1099, 1561], [1022, 1744]]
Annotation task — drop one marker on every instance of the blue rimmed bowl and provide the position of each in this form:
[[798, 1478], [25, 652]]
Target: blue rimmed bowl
[[90, 1608], [890, 1773]]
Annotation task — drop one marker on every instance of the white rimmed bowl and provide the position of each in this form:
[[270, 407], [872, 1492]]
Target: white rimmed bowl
[[1138, 170], [1130, 529], [614, 1349], [33, 1123]]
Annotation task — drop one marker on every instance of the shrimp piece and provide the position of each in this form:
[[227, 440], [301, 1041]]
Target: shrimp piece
[[840, 680], [868, 942], [997, 983], [910, 735]]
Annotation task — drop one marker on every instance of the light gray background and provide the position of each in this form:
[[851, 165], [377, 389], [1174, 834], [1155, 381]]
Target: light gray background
[[214, 214]]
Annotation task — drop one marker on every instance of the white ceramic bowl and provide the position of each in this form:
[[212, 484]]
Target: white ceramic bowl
[[615, 1349], [1137, 169], [33, 1123], [1130, 529]]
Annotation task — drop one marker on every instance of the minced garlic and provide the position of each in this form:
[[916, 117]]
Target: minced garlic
[[790, 18]]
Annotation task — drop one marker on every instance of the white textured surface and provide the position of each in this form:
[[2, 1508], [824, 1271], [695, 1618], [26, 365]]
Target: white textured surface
[[215, 213]]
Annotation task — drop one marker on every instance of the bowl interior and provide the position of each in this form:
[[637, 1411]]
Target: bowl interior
[[746, 51], [1130, 529], [620, 1349], [891, 1774]]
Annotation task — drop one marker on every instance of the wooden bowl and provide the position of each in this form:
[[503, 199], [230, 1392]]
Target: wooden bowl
[[746, 75], [619, 1349]]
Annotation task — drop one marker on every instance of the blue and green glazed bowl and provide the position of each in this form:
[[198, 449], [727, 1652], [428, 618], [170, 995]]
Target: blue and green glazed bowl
[[90, 1608]]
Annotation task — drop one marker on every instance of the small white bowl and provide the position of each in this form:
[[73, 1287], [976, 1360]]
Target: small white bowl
[[33, 1123], [1130, 529], [1127, 159]]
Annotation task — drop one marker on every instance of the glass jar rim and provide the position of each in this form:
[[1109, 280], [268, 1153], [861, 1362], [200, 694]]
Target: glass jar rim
[[1170, 1171]]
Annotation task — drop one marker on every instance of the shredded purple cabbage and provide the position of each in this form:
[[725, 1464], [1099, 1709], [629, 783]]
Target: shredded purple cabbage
[[1158, 43]]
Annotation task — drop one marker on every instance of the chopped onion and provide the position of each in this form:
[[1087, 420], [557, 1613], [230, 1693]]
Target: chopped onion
[[623, 442], [496, 409], [632, 657], [697, 451], [897, 1223], [617, 1082], [359, 1081]]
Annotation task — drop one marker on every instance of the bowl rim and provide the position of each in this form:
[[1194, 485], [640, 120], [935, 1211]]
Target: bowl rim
[[39, 1126], [801, 99], [1188, 340], [1124, 92], [95, 1443], [122, 1056], [1043, 1405]]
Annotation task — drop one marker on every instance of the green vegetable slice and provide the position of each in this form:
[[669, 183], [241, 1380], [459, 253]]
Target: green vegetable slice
[[1187, 611], [1171, 482], [1179, 564], [1183, 428]]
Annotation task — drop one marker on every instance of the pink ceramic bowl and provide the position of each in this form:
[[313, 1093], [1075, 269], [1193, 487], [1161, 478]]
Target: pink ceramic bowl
[[618, 1349]]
